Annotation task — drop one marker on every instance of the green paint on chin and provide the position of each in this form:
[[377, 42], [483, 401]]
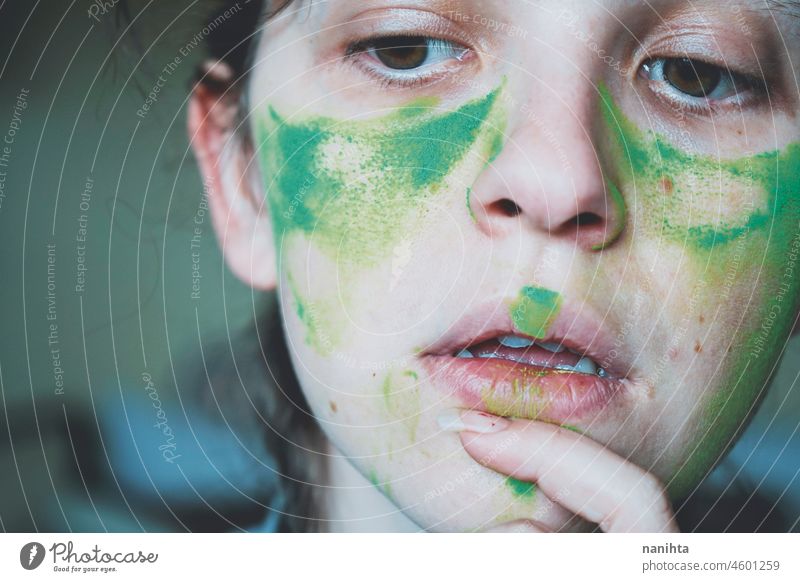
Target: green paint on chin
[[355, 187], [373, 478], [383, 487], [521, 488], [534, 310]]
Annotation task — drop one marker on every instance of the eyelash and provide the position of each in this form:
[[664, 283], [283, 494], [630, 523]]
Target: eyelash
[[747, 89], [358, 51]]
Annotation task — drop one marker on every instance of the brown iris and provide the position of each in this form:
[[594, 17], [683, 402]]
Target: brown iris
[[406, 52], [694, 78]]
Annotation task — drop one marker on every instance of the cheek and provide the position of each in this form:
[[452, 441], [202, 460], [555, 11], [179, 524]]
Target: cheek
[[724, 238], [745, 288], [356, 188], [352, 203]]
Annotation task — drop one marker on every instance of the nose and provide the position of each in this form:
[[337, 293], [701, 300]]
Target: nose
[[549, 178]]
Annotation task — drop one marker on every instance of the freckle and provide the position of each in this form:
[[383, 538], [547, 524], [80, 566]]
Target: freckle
[[334, 408], [673, 353], [697, 347], [665, 185], [702, 319]]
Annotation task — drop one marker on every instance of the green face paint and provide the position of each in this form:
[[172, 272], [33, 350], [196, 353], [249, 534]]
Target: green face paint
[[402, 399], [621, 210], [534, 310], [356, 187], [521, 488], [310, 320], [739, 220], [572, 428], [700, 201]]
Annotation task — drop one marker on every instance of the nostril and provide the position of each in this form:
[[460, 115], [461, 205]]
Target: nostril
[[505, 207], [585, 219]]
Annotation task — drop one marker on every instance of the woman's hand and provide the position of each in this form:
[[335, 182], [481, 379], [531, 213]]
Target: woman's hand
[[576, 472]]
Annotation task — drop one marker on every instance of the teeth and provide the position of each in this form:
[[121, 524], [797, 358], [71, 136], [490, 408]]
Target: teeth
[[514, 341], [552, 347], [563, 367], [586, 366]]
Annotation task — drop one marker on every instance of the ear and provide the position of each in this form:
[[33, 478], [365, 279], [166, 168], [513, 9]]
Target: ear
[[230, 174]]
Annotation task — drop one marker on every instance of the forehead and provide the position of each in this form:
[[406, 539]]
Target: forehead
[[316, 14]]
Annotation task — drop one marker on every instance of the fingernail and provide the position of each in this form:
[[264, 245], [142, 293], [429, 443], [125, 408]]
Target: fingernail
[[456, 420]]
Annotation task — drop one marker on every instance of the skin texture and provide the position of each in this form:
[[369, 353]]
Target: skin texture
[[723, 213], [389, 219]]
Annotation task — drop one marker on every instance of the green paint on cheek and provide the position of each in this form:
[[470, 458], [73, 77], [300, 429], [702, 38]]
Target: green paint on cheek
[[356, 187], [746, 211], [402, 399], [418, 106], [310, 320], [521, 488], [701, 201], [534, 310], [387, 391]]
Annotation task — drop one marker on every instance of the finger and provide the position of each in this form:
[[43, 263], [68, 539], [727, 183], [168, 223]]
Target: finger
[[575, 472], [518, 526]]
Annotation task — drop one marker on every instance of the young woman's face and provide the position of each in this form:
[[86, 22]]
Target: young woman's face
[[581, 213]]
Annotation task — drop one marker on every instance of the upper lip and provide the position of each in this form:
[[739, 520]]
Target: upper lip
[[575, 327]]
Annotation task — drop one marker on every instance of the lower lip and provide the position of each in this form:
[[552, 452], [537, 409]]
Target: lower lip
[[507, 388]]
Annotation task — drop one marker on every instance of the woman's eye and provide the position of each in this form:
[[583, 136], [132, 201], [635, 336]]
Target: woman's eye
[[695, 78], [402, 53]]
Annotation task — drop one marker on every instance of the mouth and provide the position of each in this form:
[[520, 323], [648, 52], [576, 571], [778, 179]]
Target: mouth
[[526, 351], [565, 376]]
